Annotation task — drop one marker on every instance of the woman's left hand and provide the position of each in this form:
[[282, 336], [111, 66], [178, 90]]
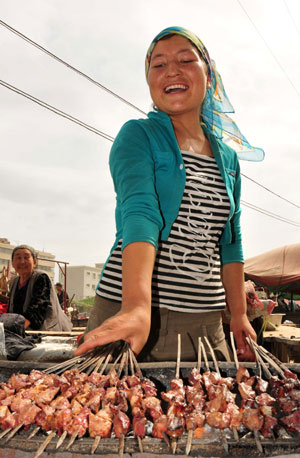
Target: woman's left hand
[[241, 328]]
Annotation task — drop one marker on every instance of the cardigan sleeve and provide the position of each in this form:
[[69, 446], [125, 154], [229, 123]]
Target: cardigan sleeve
[[133, 171], [232, 251], [39, 302]]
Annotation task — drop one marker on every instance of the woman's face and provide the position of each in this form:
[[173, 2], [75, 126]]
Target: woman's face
[[23, 262], [177, 76]]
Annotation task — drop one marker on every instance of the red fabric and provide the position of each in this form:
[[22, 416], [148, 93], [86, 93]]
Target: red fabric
[[3, 308]]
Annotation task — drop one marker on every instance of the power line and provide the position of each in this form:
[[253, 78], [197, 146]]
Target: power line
[[270, 50], [49, 53], [110, 138], [56, 111], [291, 16], [272, 215], [269, 190]]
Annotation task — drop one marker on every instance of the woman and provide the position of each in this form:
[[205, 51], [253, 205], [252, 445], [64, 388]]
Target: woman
[[33, 296], [178, 247]]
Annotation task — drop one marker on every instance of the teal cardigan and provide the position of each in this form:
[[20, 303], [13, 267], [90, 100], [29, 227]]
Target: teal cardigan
[[149, 179]]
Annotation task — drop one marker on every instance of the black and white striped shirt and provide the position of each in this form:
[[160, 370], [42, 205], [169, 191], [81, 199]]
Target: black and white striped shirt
[[186, 274]]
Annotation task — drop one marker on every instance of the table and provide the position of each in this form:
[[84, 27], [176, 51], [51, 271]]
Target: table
[[284, 342]]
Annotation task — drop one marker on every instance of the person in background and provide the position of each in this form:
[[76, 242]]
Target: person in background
[[178, 257], [32, 294], [61, 296]]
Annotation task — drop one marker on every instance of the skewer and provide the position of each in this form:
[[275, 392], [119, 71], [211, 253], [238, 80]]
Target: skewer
[[224, 440], [255, 432], [121, 445], [222, 433], [136, 364], [257, 440], [166, 439], [6, 431], [271, 359], [95, 444], [73, 437], [61, 439], [33, 433], [44, 444], [205, 357], [189, 441], [190, 433], [174, 445], [100, 361], [14, 431], [199, 354], [64, 364], [259, 359], [105, 363], [236, 361], [122, 363], [140, 443], [178, 356], [213, 355]]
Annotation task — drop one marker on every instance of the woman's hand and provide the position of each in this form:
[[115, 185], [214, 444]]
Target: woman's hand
[[132, 323], [233, 281], [132, 326], [241, 328]]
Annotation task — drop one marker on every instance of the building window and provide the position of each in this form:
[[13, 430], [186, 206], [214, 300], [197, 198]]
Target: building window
[[88, 285], [88, 273], [94, 287], [94, 275]]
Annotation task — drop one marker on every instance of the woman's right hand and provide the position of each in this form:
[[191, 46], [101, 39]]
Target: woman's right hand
[[133, 326], [132, 323]]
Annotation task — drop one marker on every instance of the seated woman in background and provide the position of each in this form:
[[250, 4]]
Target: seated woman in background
[[32, 294]]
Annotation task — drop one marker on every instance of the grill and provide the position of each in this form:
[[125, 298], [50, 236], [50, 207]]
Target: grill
[[211, 444]]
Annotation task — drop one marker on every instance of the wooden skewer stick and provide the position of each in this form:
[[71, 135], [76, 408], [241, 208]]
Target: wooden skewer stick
[[61, 439], [122, 363], [73, 437], [33, 433], [174, 446], [257, 440], [213, 356], [6, 431], [271, 359], [140, 443], [95, 444], [136, 364], [222, 433], [258, 358], [205, 357], [199, 354], [190, 433], [14, 431], [121, 445], [100, 361], [105, 363], [189, 441], [131, 362], [224, 440], [178, 356], [236, 361], [44, 444], [166, 439]]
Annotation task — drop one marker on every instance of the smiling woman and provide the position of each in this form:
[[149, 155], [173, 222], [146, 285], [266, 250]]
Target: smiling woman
[[32, 294], [177, 259]]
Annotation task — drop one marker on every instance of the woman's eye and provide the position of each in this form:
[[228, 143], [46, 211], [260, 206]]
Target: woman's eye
[[187, 61]]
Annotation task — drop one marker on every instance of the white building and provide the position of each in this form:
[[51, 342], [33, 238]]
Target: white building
[[6, 250], [82, 280]]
